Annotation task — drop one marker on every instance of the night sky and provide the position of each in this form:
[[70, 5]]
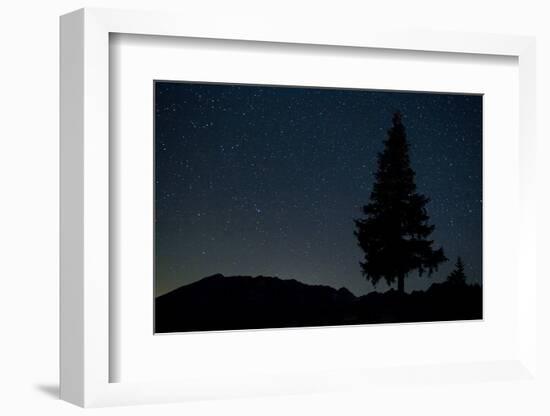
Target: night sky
[[254, 180]]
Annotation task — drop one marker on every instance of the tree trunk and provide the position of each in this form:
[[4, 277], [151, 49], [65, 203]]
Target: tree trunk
[[401, 283]]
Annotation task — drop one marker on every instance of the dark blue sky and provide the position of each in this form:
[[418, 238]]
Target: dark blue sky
[[267, 180]]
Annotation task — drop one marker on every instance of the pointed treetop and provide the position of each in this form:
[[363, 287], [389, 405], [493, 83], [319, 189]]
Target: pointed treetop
[[397, 117]]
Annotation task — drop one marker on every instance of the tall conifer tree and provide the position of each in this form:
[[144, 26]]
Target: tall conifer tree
[[457, 276], [394, 234]]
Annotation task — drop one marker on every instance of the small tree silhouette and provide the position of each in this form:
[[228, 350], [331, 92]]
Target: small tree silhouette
[[394, 234], [457, 276]]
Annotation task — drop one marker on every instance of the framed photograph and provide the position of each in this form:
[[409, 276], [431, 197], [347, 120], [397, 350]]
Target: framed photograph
[[275, 205], [280, 212]]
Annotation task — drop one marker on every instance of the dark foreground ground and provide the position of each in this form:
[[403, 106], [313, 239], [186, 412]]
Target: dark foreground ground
[[244, 302]]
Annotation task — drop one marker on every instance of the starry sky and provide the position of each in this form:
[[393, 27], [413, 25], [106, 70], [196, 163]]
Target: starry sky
[[267, 180]]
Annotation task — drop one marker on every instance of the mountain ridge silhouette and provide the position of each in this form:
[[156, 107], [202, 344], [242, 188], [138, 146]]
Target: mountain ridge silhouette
[[219, 302], [222, 276]]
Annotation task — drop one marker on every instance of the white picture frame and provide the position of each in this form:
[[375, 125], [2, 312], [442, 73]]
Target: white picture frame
[[85, 220]]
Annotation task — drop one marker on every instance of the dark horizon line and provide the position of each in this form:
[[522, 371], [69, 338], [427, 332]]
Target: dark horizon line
[[298, 281]]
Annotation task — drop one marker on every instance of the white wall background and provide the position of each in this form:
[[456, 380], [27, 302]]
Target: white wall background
[[29, 207]]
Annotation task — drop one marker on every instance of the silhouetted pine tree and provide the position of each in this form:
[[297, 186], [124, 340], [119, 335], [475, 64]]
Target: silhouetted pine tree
[[394, 234], [457, 276]]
